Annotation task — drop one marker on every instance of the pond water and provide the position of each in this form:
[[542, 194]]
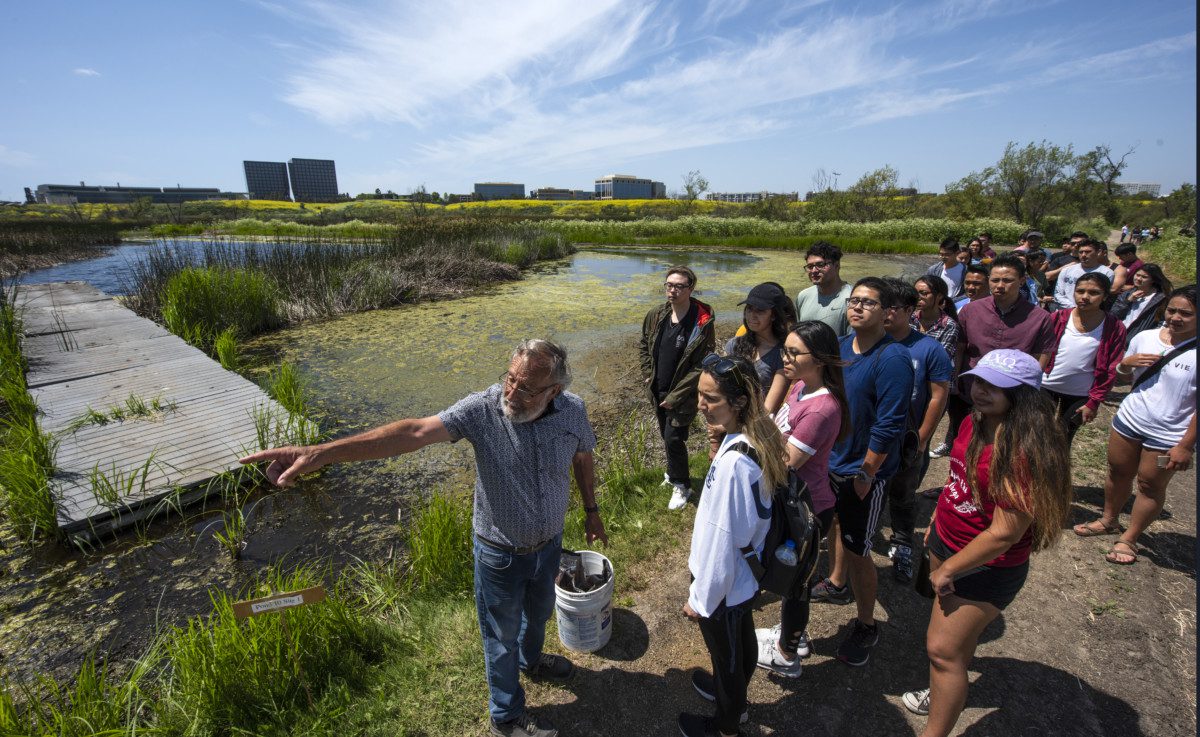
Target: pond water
[[363, 370]]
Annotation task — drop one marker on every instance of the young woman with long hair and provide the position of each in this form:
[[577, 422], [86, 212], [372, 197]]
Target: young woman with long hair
[[937, 317], [1142, 307], [734, 511], [1088, 343], [767, 317], [1008, 494], [1154, 432], [814, 416]]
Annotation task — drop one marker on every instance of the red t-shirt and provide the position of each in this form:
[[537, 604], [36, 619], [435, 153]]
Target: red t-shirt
[[957, 518]]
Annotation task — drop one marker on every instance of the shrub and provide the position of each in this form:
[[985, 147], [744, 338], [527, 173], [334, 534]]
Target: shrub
[[201, 303]]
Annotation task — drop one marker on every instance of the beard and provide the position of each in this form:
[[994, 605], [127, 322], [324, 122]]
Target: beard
[[515, 417]]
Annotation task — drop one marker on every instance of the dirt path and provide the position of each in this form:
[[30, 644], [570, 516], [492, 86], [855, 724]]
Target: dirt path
[[1087, 648]]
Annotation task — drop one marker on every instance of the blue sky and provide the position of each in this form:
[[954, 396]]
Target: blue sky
[[755, 95]]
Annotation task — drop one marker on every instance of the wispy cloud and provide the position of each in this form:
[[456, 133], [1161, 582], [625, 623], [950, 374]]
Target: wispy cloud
[[85, 72], [567, 85], [14, 158]]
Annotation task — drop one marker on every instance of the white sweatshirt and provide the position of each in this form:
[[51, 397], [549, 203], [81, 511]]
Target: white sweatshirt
[[731, 515]]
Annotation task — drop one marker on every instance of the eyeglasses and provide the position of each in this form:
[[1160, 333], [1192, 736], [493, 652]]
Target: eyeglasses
[[863, 302], [507, 380], [673, 287], [819, 266], [793, 354]]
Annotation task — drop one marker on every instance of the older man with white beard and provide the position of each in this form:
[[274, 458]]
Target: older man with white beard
[[527, 432]]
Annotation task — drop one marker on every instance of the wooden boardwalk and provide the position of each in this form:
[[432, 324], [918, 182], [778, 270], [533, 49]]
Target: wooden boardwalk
[[85, 351]]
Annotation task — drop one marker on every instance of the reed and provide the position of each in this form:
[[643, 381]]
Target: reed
[[225, 346], [200, 304], [232, 536]]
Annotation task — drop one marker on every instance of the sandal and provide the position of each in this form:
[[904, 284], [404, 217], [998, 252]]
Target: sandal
[[1113, 552], [1089, 529]]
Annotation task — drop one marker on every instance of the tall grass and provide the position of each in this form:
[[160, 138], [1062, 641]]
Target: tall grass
[[31, 244], [329, 273], [235, 677], [439, 541], [26, 453], [1175, 252], [200, 304]]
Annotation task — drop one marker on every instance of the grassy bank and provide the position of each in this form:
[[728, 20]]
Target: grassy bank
[[26, 453], [1175, 253], [35, 244], [774, 233], [393, 650]]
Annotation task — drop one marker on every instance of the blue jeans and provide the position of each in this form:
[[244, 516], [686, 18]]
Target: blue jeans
[[514, 596]]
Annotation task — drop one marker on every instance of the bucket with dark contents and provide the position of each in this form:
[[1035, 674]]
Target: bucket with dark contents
[[583, 600]]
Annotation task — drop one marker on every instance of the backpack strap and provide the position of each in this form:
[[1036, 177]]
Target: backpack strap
[[1162, 362]]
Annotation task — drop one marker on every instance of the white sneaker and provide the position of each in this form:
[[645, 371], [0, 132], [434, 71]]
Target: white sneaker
[[803, 649], [679, 497], [769, 658], [917, 701]]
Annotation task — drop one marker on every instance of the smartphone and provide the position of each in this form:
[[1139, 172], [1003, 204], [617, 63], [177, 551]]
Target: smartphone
[[1163, 461]]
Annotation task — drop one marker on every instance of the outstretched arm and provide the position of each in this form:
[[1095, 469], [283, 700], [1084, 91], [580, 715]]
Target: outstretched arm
[[404, 436]]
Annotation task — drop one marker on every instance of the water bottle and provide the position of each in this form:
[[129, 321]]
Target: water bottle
[[786, 553]]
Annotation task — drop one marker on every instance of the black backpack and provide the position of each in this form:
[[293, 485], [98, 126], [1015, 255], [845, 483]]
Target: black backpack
[[791, 519]]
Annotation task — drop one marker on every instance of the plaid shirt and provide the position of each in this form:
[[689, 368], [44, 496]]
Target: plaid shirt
[[944, 331]]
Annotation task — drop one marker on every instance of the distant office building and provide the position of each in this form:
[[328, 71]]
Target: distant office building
[[454, 199], [752, 196], [69, 194], [499, 191], [629, 187], [1134, 188], [313, 180], [267, 180], [557, 193]]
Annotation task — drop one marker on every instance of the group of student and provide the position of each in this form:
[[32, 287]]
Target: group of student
[[845, 387]]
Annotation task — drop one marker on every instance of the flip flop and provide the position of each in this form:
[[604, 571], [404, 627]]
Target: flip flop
[[1114, 552], [1087, 530]]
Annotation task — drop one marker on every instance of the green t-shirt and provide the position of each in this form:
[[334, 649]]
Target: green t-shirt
[[831, 309]]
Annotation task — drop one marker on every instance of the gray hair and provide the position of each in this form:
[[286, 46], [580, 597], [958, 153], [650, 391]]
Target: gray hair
[[551, 354]]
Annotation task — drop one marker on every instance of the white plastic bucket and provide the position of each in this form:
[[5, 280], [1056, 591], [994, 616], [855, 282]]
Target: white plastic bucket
[[585, 620]]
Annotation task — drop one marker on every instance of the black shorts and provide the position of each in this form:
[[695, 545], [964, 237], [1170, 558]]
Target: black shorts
[[858, 518], [995, 585]]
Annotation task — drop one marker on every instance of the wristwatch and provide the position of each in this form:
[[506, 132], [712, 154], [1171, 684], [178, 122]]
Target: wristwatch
[[863, 476]]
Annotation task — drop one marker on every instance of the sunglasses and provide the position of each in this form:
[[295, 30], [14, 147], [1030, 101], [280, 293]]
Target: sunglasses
[[725, 368]]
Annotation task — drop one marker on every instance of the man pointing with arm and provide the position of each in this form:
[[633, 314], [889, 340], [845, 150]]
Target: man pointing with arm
[[528, 432]]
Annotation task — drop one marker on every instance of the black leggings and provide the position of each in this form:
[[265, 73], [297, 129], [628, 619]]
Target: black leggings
[[1066, 407], [794, 619], [729, 637]]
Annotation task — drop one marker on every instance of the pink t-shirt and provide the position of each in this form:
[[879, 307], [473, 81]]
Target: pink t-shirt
[[811, 423]]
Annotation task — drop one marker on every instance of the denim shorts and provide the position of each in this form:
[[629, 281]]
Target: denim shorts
[[1148, 443]]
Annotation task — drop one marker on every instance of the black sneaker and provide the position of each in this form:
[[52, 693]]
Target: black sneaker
[[902, 563], [856, 648], [706, 687], [824, 590], [694, 725], [525, 725], [551, 667]]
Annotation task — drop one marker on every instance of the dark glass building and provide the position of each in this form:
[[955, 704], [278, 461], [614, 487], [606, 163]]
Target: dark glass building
[[499, 191], [313, 180], [267, 180], [627, 187]]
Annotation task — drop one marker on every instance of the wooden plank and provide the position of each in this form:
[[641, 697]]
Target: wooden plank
[[85, 350]]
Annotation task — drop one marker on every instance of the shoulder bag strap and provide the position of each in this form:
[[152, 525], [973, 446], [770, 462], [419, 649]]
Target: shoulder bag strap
[[1163, 361]]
